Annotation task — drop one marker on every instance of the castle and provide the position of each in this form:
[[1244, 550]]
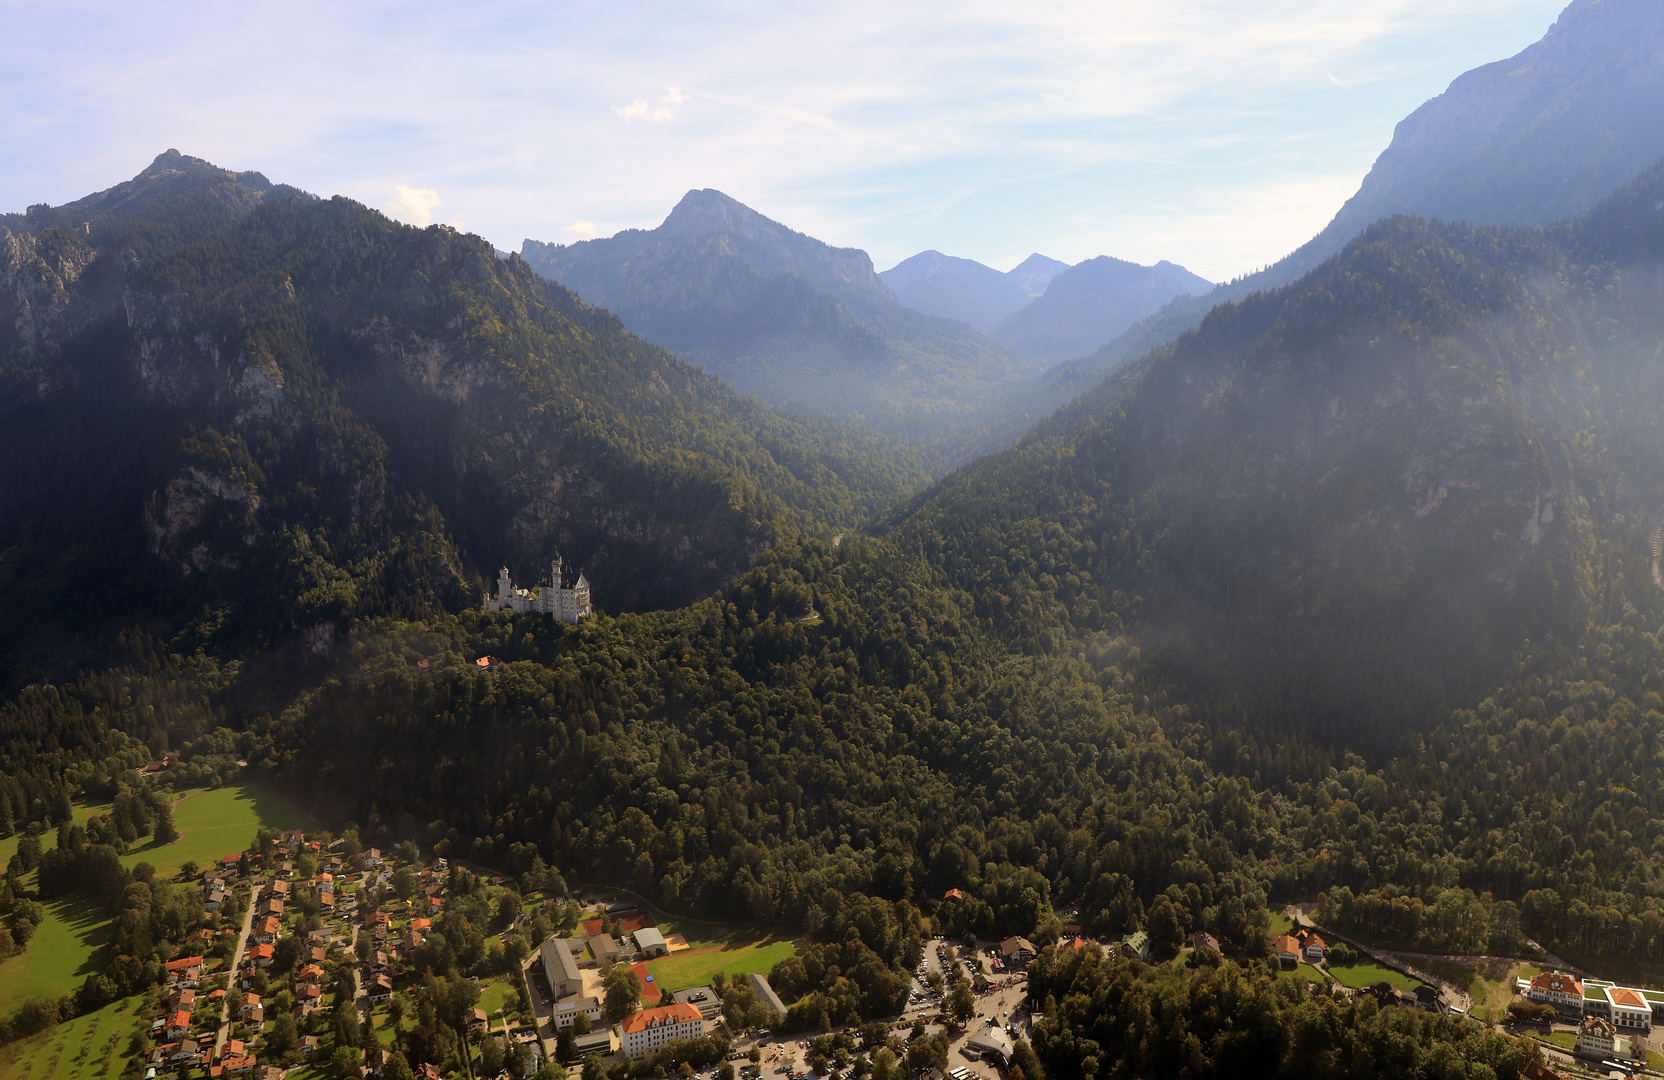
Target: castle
[[566, 602]]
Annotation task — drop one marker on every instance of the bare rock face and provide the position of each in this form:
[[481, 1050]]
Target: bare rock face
[[37, 278]]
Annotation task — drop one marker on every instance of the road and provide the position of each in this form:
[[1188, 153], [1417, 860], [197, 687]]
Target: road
[[231, 990]]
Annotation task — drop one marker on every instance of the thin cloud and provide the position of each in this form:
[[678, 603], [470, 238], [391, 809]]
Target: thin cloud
[[583, 230], [413, 206], [1337, 82]]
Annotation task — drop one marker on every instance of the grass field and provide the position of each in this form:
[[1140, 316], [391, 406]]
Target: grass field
[[695, 968], [1280, 923], [91, 1047], [215, 823], [1367, 973], [494, 994], [63, 952]]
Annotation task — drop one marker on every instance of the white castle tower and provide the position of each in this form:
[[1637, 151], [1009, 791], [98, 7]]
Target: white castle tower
[[568, 602]]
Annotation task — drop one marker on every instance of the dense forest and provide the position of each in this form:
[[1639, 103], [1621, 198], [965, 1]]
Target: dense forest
[[1348, 596]]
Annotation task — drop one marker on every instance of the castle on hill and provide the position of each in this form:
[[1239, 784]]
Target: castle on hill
[[564, 596]]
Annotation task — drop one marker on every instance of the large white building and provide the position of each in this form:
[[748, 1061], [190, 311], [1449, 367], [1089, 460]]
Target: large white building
[[564, 597], [650, 1029]]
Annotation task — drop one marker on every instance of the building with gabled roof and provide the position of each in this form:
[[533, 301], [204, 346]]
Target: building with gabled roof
[[650, 1029]]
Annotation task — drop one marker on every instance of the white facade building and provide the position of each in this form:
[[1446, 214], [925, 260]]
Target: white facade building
[[649, 1029], [563, 598]]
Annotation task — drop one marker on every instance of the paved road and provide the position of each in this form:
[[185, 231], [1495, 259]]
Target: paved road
[[231, 990]]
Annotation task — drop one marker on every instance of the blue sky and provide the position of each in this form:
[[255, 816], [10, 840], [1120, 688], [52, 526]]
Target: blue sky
[[1217, 134]]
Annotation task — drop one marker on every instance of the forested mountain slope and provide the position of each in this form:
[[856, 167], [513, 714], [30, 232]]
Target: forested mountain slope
[[1347, 501], [244, 414], [802, 325]]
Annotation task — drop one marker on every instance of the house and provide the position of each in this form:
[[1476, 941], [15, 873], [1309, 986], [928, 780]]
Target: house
[[182, 999], [603, 947], [952, 894], [650, 943], [1597, 1038], [649, 1029], [372, 858], [267, 929], [1018, 950], [213, 900], [279, 889], [270, 907], [601, 1040], [764, 993], [991, 1041], [308, 1045], [1315, 948], [379, 989], [185, 971], [487, 663], [186, 1050], [1288, 951], [1536, 1070], [478, 1021], [261, 955], [250, 1007], [560, 968], [293, 838], [178, 1025], [1558, 989], [1200, 941], [233, 1048], [567, 1011], [272, 1072], [318, 954], [1136, 946], [703, 998], [238, 1066]]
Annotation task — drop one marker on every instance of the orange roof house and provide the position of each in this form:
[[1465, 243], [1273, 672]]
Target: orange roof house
[[680, 1013]]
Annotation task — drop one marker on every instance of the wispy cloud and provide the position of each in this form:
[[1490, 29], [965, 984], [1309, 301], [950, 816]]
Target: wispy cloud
[[1077, 127], [583, 230]]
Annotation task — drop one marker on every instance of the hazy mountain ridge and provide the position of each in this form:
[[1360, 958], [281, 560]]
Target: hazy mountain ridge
[[1092, 302], [978, 296], [798, 323], [1397, 465], [1542, 135]]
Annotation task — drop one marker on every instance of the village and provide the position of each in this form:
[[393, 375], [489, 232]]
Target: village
[[318, 954]]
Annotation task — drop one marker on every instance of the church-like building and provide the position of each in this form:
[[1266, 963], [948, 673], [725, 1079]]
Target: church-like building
[[564, 597]]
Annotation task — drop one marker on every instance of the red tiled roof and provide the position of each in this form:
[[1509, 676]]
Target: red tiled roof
[[1627, 998], [953, 894], [1286, 944], [672, 1014], [1556, 982], [184, 962]]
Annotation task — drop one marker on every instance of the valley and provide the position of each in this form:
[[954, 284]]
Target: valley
[[690, 651]]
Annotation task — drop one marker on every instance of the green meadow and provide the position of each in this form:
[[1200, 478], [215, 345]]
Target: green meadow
[[215, 823], [64, 951], [91, 1047]]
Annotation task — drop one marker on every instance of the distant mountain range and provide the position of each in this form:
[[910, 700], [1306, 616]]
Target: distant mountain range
[[978, 296], [1043, 307], [798, 323]]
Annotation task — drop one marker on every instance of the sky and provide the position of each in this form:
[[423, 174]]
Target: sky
[[1219, 134]]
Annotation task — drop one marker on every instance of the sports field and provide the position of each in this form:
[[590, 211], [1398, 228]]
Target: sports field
[[683, 970], [91, 1047], [1367, 973], [63, 952], [215, 823]]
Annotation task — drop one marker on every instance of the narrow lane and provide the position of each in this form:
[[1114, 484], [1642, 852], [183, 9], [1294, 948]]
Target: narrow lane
[[231, 990]]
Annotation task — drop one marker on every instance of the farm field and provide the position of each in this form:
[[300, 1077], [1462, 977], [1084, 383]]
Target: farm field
[[91, 1047], [672, 973], [1367, 973], [63, 952], [215, 823]]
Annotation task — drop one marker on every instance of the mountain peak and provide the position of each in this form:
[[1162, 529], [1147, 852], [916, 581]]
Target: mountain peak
[[706, 210]]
